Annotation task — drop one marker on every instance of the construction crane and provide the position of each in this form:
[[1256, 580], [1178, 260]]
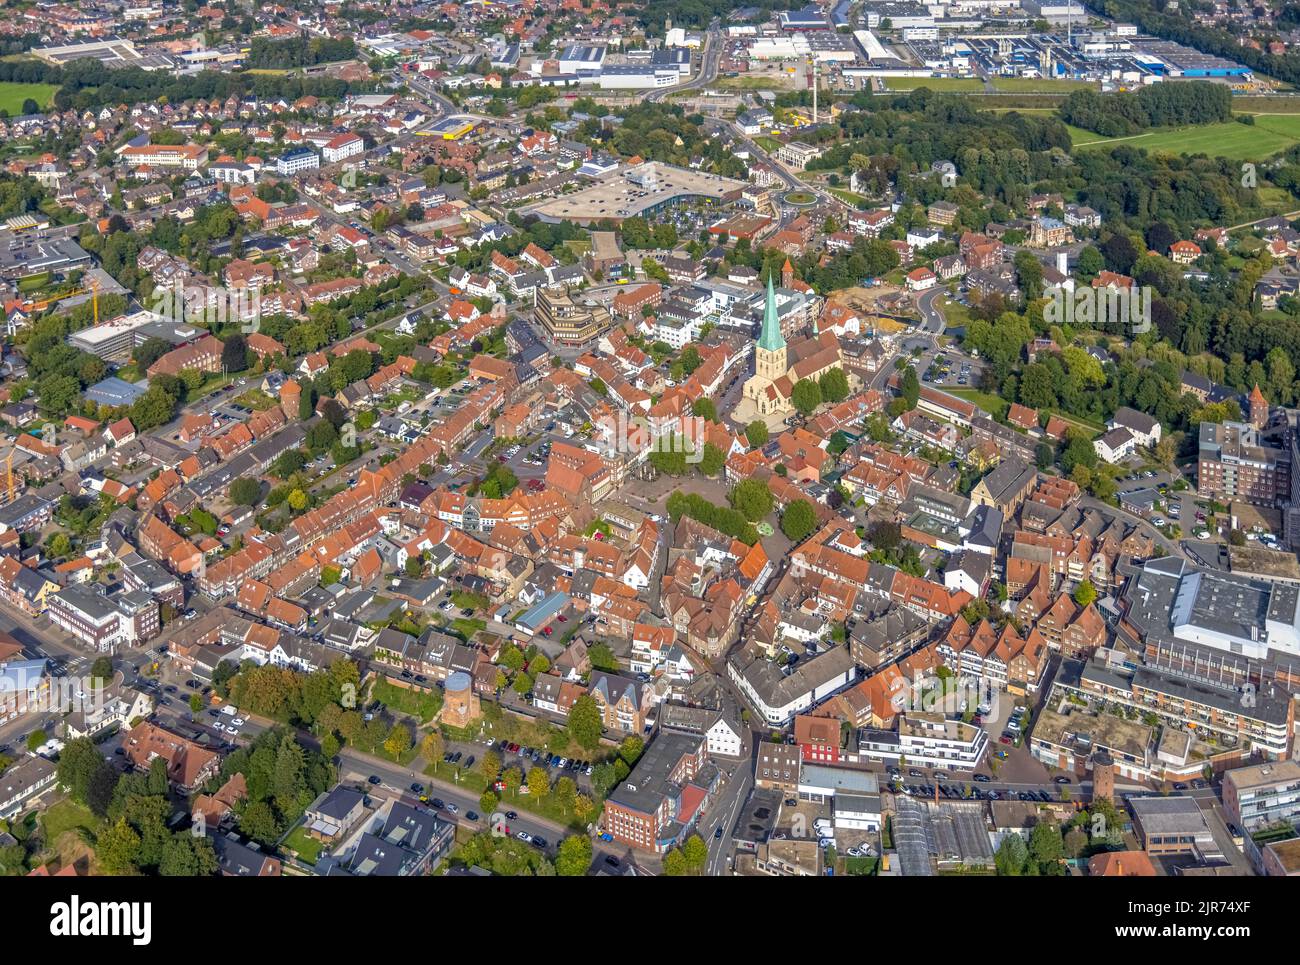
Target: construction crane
[[9, 473], [92, 290]]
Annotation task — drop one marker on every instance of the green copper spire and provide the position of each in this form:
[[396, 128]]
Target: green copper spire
[[770, 336]]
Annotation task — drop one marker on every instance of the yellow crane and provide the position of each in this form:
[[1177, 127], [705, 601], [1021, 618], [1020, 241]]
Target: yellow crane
[[92, 288]]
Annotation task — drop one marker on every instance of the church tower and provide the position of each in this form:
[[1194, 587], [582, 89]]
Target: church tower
[[769, 354]]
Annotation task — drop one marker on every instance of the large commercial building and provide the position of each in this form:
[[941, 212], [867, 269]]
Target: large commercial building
[[642, 190], [102, 623], [566, 321], [1233, 464], [667, 790]]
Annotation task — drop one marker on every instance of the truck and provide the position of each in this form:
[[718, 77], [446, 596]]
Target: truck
[[229, 710]]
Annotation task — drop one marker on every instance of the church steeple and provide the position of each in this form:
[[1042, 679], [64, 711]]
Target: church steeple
[[769, 353], [769, 337]]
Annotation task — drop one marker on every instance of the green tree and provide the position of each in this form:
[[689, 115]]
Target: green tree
[[117, 849], [757, 434], [712, 460], [398, 741], [834, 386], [1085, 593], [101, 670], [585, 723], [799, 520], [909, 387], [245, 491], [696, 853], [752, 498], [538, 782], [574, 857], [806, 396]]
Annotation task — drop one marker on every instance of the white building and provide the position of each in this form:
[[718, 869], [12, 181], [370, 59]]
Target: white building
[[342, 147], [926, 740], [296, 160]]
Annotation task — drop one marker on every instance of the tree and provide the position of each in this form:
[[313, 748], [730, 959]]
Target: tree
[[674, 864], [752, 498], [1085, 593], [705, 409], [712, 460], [490, 767], [910, 387], [117, 849], [538, 782], [398, 741], [234, 354], [806, 396], [585, 723], [834, 385], [696, 853], [101, 670], [798, 520], [1012, 856], [431, 747], [35, 739], [574, 857]]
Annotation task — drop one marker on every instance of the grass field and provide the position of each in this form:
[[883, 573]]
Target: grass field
[[990, 403], [751, 83], [1038, 85], [13, 94], [945, 84], [1271, 134], [848, 197]]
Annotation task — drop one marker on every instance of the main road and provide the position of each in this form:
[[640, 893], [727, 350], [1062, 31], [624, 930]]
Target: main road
[[708, 67]]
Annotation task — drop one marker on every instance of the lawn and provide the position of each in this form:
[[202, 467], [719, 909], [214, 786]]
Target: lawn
[[990, 403], [1271, 134], [751, 83], [66, 816], [945, 84], [955, 314], [467, 627], [308, 848], [1039, 85], [849, 198], [422, 705], [256, 399], [12, 95]]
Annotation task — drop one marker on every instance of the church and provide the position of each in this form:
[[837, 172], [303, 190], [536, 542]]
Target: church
[[778, 366]]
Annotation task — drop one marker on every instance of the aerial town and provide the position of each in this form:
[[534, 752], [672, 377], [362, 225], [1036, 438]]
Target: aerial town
[[857, 438]]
